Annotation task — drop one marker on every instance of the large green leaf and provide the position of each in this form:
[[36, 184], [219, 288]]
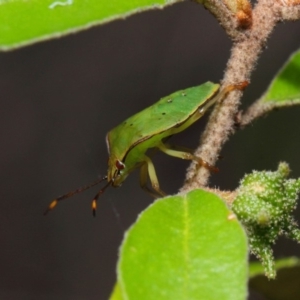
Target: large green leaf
[[116, 293], [184, 247], [27, 21], [285, 87]]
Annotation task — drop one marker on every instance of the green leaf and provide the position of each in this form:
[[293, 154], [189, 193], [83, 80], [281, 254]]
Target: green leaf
[[116, 294], [285, 87], [256, 268], [185, 247], [28, 21]]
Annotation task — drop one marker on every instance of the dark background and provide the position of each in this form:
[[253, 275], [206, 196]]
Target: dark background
[[59, 99]]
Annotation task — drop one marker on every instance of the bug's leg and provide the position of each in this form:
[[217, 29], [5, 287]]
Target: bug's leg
[[144, 179], [179, 148], [186, 155], [147, 169], [184, 149]]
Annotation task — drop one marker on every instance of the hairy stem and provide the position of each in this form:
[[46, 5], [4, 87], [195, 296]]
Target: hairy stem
[[244, 55]]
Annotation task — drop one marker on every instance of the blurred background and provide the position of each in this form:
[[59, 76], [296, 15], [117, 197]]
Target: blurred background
[[59, 99]]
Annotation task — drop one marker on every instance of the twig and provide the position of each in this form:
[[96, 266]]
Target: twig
[[247, 47]]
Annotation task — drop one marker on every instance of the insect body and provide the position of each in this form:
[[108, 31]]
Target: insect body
[[128, 143]]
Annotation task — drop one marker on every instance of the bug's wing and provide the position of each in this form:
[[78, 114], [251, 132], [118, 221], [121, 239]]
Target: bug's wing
[[168, 112], [175, 109]]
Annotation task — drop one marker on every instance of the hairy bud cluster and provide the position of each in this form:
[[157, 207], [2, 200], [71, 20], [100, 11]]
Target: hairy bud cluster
[[264, 205]]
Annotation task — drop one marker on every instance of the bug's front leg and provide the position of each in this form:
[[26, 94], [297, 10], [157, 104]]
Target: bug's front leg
[[147, 169], [167, 149]]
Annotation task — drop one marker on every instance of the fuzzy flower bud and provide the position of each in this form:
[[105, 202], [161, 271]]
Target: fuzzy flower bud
[[264, 204]]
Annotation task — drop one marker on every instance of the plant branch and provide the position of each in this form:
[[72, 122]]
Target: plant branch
[[259, 108], [247, 47]]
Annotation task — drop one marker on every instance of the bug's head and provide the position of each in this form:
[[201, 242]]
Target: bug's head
[[116, 171]]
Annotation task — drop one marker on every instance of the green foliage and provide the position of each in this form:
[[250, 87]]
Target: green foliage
[[184, 247], [285, 88], [256, 269], [26, 22], [264, 204], [116, 294], [181, 247]]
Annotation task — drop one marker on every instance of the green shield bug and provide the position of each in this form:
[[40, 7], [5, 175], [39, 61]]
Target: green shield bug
[[128, 143]]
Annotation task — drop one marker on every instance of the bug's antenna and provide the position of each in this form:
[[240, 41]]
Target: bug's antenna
[[77, 191], [94, 202]]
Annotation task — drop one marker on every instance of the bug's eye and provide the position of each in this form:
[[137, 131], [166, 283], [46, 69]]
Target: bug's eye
[[120, 165]]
